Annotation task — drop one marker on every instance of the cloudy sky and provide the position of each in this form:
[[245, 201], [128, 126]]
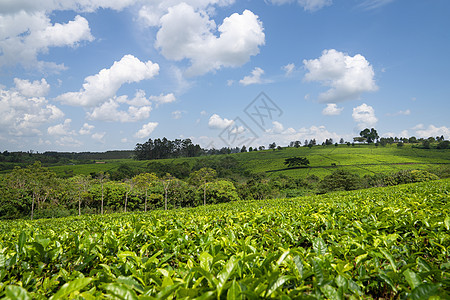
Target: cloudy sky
[[96, 75]]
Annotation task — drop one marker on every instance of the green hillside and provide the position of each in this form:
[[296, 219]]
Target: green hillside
[[359, 159], [380, 243]]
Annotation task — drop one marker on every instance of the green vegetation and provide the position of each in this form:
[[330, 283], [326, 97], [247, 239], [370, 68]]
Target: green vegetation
[[390, 243]]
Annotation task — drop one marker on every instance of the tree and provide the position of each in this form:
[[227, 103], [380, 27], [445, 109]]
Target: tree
[[166, 181], [296, 162], [297, 144], [272, 146], [102, 177], [130, 184], [82, 182], [201, 177], [370, 135], [143, 182]]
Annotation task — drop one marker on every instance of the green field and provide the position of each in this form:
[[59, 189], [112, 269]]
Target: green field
[[359, 159], [377, 243]]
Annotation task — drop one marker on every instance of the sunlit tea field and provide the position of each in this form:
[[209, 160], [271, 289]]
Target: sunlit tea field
[[378, 243]]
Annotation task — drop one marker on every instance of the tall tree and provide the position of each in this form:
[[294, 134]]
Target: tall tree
[[143, 182], [201, 177], [82, 183], [370, 135]]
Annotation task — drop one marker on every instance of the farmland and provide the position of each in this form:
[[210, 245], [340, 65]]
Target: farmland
[[389, 242], [358, 159]]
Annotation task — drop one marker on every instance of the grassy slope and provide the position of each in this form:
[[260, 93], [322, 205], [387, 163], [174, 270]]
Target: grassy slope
[[360, 159]]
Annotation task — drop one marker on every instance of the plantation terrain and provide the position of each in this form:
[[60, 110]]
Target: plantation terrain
[[358, 159], [387, 243]]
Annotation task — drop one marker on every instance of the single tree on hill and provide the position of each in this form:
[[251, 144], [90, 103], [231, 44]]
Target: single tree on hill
[[370, 135]]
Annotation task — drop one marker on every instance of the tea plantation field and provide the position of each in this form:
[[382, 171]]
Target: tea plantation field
[[378, 243]]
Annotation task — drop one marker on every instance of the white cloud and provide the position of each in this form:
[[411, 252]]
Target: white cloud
[[332, 110], [406, 112], [161, 99], [373, 4], [60, 129], [24, 36], [276, 129], [364, 115], [86, 129], [99, 137], [230, 82], [32, 89], [23, 115], [15, 6], [308, 5], [68, 141], [146, 130], [432, 130], [216, 122], [104, 85], [177, 114], [347, 76], [139, 99], [189, 34], [288, 69], [255, 78], [110, 111], [151, 12]]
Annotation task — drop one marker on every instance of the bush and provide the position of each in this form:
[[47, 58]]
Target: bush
[[339, 180]]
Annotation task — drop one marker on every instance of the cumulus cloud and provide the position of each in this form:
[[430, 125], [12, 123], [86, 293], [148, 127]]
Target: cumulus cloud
[[32, 89], [332, 110], [432, 130], [99, 137], [347, 76], [150, 13], [308, 5], [60, 129], [86, 129], [364, 115], [161, 99], [104, 85], [139, 99], [146, 130], [24, 36], [110, 111], [189, 34], [22, 115], [216, 122], [254, 78], [30, 6], [276, 129]]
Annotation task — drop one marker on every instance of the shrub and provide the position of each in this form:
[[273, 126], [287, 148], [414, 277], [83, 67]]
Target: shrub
[[339, 180]]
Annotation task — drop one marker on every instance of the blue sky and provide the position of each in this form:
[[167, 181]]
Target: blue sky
[[95, 75]]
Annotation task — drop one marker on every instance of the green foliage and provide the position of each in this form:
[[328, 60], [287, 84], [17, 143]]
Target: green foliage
[[390, 243], [220, 191], [296, 161], [340, 180]]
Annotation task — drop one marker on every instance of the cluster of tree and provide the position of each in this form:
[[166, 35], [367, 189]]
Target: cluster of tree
[[35, 191], [164, 148], [53, 157]]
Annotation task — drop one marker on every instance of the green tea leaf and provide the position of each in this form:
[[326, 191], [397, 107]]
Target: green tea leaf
[[424, 291], [70, 287], [412, 278], [120, 291], [234, 292], [319, 246], [15, 292]]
